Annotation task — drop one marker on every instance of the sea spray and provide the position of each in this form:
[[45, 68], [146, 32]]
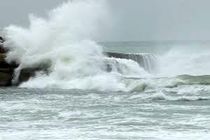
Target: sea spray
[[63, 42], [190, 59]]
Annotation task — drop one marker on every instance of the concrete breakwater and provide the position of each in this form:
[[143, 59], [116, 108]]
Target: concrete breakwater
[[145, 60]]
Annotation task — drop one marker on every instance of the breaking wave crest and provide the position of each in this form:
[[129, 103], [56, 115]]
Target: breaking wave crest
[[63, 42]]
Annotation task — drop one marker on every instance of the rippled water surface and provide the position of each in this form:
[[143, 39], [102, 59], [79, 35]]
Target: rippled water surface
[[168, 113]]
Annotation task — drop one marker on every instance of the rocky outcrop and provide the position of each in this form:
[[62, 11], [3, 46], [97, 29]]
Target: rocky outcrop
[[7, 73], [5, 77], [6, 70], [2, 50]]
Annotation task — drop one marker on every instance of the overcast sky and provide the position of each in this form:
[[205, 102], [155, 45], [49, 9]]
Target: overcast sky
[[134, 19]]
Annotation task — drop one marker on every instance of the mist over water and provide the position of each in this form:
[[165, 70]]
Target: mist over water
[[191, 59]]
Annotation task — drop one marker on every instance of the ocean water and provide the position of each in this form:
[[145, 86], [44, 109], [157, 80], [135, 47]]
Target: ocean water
[[181, 112], [157, 108], [80, 98]]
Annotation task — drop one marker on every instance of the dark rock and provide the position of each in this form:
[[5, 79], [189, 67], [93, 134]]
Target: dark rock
[[6, 78], [2, 57], [146, 61], [26, 74], [117, 55], [6, 70], [1, 39], [4, 64], [2, 50]]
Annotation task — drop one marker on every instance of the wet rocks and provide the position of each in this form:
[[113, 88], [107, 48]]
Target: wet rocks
[[2, 50], [6, 70], [6, 77]]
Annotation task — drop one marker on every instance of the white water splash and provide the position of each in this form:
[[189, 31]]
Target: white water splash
[[190, 60], [64, 41]]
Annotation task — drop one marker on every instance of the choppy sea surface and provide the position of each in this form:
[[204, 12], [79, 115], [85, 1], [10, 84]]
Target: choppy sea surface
[[158, 108], [72, 114], [162, 93]]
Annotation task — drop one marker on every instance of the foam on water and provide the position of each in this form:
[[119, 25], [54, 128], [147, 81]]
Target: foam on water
[[171, 104], [74, 114]]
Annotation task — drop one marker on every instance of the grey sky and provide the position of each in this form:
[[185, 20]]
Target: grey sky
[[133, 19], [16, 11]]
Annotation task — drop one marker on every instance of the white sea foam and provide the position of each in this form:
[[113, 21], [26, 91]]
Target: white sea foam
[[191, 60], [64, 41]]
